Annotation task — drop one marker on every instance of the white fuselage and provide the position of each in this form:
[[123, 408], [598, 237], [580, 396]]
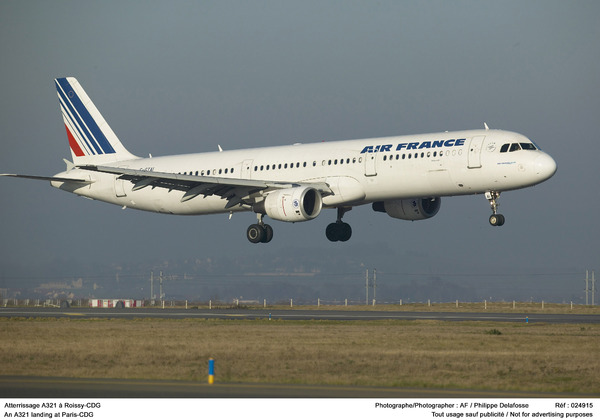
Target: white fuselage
[[357, 171]]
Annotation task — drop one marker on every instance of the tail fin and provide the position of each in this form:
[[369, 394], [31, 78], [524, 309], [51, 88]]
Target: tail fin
[[91, 139]]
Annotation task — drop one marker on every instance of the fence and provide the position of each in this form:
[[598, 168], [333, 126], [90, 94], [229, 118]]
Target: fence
[[293, 303]]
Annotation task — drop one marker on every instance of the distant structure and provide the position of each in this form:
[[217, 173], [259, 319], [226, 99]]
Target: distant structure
[[587, 287], [116, 303]]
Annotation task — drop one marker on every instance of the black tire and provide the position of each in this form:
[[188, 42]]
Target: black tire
[[255, 233], [119, 305], [496, 220], [65, 304], [268, 234], [332, 232], [344, 232]]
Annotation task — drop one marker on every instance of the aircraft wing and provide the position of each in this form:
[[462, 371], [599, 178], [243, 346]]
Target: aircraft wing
[[235, 190]]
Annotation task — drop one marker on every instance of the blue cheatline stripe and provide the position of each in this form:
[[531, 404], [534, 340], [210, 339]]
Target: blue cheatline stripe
[[83, 143], [76, 120], [89, 125], [89, 121], [85, 148], [79, 135], [82, 115]]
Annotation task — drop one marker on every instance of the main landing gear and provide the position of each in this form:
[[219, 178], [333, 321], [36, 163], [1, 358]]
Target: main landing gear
[[495, 219], [259, 232], [339, 231]]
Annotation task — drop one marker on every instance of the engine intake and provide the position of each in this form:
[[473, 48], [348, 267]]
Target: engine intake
[[409, 209], [292, 204]]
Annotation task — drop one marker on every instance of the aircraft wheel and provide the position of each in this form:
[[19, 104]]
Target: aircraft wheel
[[268, 234], [496, 220], [332, 232], [338, 231], [345, 232], [255, 233]]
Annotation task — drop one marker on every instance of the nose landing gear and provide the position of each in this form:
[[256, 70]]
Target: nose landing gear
[[495, 219]]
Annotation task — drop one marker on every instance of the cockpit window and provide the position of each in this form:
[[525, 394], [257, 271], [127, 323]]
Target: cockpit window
[[517, 146], [527, 146]]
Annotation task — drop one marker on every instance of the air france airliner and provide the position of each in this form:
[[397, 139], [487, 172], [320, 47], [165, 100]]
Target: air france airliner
[[403, 176]]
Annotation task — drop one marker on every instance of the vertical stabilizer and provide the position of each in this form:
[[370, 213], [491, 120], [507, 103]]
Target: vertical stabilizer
[[91, 139]]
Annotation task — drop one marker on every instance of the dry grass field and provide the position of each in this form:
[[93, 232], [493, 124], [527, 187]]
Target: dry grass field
[[436, 354]]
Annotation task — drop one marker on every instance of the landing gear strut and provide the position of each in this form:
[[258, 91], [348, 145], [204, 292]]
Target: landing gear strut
[[259, 232], [339, 231], [495, 219]]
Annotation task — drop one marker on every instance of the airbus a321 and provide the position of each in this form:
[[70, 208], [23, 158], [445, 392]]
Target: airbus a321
[[403, 176]]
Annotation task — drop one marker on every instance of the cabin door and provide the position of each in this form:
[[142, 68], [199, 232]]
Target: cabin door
[[474, 156]]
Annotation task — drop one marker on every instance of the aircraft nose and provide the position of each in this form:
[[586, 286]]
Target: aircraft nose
[[544, 166]]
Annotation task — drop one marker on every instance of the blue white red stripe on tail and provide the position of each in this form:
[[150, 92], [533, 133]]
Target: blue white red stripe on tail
[[85, 136]]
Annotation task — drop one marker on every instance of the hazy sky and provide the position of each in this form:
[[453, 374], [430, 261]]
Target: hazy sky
[[184, 76]]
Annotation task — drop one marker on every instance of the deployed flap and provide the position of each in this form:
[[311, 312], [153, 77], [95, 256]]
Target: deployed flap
[[235, 190]]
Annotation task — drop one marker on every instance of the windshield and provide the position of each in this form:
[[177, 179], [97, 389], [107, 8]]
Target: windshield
[[513, 147], [528, 146]]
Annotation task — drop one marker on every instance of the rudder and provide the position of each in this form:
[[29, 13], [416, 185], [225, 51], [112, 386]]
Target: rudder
[[90, 137]]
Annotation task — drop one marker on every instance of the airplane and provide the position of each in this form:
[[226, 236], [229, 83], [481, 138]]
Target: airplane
[[403, 176]]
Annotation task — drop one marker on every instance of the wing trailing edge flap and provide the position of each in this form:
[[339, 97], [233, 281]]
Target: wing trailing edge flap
[[235, 190]]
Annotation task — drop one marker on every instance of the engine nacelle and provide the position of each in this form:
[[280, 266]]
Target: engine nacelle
[[409, 209], [292, 204]]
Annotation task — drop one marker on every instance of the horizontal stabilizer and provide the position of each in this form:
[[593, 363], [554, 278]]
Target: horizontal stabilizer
[[50, 178]]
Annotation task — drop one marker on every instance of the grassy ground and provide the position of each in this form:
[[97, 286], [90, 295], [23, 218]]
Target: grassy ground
[[470, 355]]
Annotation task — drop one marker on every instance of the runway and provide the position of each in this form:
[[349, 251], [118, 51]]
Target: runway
[[47, 387], [293, 314]]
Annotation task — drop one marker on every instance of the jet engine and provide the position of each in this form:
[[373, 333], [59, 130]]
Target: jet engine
[[291, 204], [409, 209]]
